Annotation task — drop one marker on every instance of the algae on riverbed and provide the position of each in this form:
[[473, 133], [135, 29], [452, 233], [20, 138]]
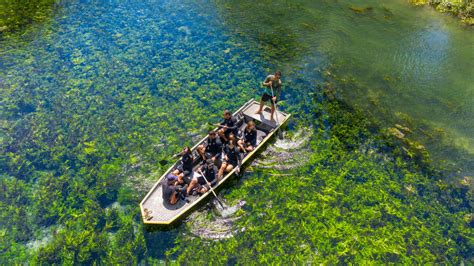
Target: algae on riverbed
[[356, 200], [92, 102]]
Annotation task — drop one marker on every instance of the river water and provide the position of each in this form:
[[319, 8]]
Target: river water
[[133, 81]]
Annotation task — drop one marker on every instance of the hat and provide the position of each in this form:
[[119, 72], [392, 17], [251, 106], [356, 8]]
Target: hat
[[209, 162], [171, 177]]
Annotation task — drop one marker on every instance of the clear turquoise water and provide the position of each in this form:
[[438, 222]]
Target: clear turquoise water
[[179, 57], [399, 63]]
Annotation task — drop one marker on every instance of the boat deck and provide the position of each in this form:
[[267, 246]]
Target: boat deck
[[156, 211]]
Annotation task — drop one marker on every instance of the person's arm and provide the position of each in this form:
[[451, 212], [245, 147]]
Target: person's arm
[[234, 121], [267, 82]]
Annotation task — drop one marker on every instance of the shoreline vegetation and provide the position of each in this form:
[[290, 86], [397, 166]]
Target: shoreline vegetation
[[463, 9]]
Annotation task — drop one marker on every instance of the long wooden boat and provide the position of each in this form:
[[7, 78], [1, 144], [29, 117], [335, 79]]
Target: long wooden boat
[[155, 211]]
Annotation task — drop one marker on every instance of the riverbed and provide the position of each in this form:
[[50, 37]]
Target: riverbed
[[376, 163]]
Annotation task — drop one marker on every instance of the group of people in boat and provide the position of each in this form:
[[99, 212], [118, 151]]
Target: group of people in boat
[[220, 154]]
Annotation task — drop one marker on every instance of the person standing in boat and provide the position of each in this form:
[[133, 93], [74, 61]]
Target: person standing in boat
[[271, 82]]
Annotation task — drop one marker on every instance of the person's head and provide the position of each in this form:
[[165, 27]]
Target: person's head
[[186, 150], [221, 132], [227, 114], [171, 179], [212, 134], [278, 74], [250, 125], [209, 164], [231, 138]]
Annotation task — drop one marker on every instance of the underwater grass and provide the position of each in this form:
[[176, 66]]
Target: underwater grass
[[357, 200], [90, 108], [17, 16], [83, 127]]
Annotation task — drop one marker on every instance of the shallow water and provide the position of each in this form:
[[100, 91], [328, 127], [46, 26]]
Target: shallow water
[[103, 91], [402, 64]]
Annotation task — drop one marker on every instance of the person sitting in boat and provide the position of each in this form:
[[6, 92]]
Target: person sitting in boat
[[231, 157], [185, 168], [210, 172], [172, 191], [249, 138], [229, 125], [273, 82], [212, 147]]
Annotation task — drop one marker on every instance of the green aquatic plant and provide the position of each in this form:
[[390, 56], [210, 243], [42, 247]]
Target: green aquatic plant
[[344, 206], [91, 107]]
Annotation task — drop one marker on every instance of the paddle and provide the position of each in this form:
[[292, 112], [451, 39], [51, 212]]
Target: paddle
[[239, 164], [280, 134], [212, 190], [164, 161], [215, 124]]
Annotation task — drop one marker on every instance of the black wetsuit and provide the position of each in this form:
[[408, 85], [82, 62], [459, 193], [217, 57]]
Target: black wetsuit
[[250, 137], [211, 175], [233, 155], [231, 124], [187, 162], [214, 146], [186, 167]]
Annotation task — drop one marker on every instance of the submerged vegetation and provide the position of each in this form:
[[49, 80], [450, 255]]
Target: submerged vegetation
[[88, 110], [358, 199], [19, 15]]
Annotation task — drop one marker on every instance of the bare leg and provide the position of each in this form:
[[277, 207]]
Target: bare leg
[[201, 151], [261, 108], [273, 111], [250, 148], [221, 171], [174, 198], [191, 185], [240, 143], [229, 168]]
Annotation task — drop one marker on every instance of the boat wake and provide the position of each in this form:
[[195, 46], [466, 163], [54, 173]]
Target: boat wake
[[287, 153], [221, 223], [215, 222]]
